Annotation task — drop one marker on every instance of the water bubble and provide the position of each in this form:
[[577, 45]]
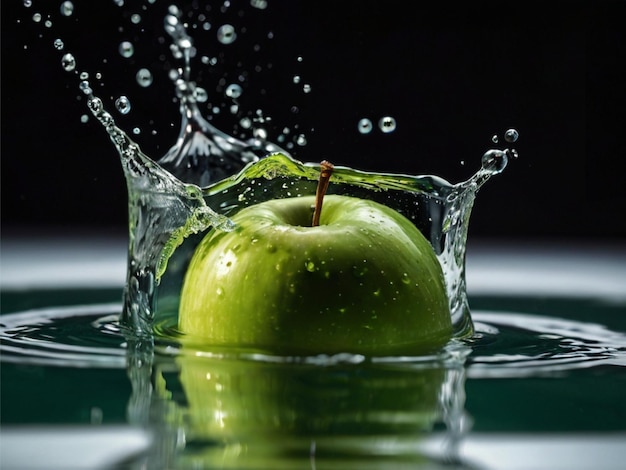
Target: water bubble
[[68, 62], [233, 91], [67, 8], [226, 34], [511, 135], [84, 75], [387, 124], [144, 77], [136, 131], [126, 49], [365, 126], [58, 44], [37, 17], [494, 161], [122, 104]]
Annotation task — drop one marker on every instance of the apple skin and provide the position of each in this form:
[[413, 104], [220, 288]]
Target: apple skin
[[364, 281]]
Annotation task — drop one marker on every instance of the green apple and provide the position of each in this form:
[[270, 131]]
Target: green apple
[[365, 281]]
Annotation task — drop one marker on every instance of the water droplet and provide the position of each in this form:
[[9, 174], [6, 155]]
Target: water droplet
[[28, 3], [85, 87], [296, 79], [37, 17], [511, 135], [494, 161], [387, 124], [365, 126], [306, 88], [226, 34], [219, 291], [135, 19], [67, 8], [48, 24], [201, 96], [494, 138], [245, 122], [58, 44], [310, 266], [84, 119], [126, 49], [301, 140], [233, 91], [68, 62], [144, 77], [260, 4], [122, 104], [260, 133]]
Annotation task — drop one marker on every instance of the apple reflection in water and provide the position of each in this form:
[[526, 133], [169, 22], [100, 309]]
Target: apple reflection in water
[[244, 413]]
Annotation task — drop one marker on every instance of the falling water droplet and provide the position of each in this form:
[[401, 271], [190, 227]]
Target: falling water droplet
[[365, 126], [494, 138], [68, 62], [58, 44], [144, 77], [135, 19], [122, 104], [126, 49], [226, 34], [67, 8], [37, 17], [511, 135], [306, 88], [233, 91], [28, 3], [387, 124], [296, 79]]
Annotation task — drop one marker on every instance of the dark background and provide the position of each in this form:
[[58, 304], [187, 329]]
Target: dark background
[[452, 75]]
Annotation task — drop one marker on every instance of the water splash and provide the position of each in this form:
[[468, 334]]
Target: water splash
[[208, 175]]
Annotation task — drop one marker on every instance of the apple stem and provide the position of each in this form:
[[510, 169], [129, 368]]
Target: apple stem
[[326, 169]]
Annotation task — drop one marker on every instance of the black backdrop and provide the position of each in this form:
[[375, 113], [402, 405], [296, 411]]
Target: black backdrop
[[452, 75]]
